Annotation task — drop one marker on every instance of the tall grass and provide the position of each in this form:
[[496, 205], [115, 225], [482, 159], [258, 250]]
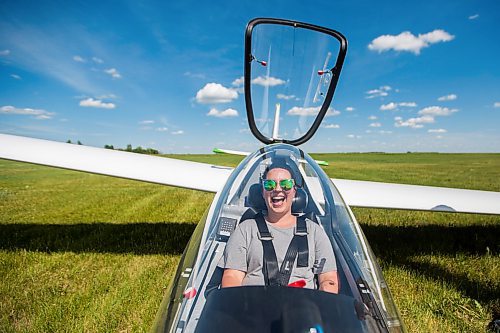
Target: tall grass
[[81, 252]]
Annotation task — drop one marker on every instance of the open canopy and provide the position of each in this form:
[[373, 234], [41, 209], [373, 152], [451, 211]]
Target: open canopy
[[291, 71]]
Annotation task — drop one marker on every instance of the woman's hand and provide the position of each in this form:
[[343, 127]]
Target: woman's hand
[[329, 282]]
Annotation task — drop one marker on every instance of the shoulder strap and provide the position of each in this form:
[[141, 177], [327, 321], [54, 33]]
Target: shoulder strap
[[270, 262], [298, 246], [303, 250]]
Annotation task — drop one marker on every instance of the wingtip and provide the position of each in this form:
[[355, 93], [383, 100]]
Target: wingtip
[[217, 151]]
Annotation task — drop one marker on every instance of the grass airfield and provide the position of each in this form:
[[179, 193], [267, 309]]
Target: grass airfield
[[81, 252]]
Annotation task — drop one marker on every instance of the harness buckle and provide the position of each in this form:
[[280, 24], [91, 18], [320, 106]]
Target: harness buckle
[[300, 232], [266, 237]]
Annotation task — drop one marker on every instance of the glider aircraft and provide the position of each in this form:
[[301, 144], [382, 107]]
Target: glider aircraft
[[289, 75]]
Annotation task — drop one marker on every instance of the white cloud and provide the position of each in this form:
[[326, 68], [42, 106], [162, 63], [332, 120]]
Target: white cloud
[[352, 136], [113, 72], [408, 42], [146, 122], [215, 93], [310, 111], [349, 109], [450, 97], [413, 122], [385, 132], [300, 111], [436, 111], [439, 130], [332, 126], [222, 114], [194, 75], [427, 117], [108, 96], [436, 36], [496, 105], [380, 92], [239, 81], [15, 76], [408, 104], [36, 113], [394, 106], [97, 60], [375, 125], [162, 129], [473, 17], [285, 97], [331, 112], [267, 81], [390, 106], [77, 58], [372, 117], [4, 52], [44, 117], [96, 103], [179, 132]]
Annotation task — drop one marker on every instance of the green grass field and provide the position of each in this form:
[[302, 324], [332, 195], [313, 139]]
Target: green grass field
[[88, 253]]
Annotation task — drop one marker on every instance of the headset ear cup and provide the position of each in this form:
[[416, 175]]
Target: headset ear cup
[[299, 182], [300, 201]]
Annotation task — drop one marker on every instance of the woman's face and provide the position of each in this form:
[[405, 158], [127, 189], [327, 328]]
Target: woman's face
[[279, 201]]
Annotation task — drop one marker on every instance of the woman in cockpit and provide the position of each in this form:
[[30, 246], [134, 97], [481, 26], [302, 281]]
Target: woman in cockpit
[[277, 247]]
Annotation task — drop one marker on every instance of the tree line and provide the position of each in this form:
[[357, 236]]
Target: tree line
[[129, 148], [138, 149]]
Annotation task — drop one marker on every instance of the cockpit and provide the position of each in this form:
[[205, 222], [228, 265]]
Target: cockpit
[[198, 301]]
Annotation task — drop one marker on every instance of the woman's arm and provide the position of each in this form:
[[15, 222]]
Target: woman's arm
[[232, 278]]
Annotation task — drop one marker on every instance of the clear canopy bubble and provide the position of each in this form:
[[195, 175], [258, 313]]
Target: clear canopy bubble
[[291, 71]]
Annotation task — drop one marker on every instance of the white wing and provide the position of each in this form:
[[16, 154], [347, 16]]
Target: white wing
[[154, 169], [211, 178], [398, 196]]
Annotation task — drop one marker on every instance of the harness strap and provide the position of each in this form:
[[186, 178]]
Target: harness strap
[[303, 246], [298, 246], [270, 263]]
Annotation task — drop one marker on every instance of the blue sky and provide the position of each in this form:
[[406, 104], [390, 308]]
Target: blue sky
[[421, 76]]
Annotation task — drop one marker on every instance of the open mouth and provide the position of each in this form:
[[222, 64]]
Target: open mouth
[[277, 201]]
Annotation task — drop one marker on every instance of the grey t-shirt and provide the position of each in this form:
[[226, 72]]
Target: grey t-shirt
[[244, 252]]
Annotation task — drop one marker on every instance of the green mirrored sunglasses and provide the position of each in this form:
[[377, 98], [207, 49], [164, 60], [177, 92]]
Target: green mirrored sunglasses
[[285, 184]]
